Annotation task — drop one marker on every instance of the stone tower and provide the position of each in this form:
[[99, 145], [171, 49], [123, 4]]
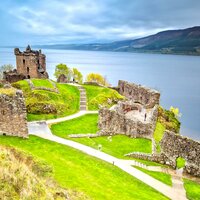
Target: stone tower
[[30, 63]]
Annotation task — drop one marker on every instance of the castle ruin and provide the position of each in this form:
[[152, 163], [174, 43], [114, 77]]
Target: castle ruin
[[29, 64], [136, 116]]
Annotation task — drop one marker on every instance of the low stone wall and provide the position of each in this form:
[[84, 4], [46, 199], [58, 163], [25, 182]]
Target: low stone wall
[[88, 135], [174, 146], [13, 114], [159, 158], [55, 89], [143, 95]]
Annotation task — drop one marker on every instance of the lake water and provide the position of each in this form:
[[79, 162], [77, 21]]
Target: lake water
[[176, 77]]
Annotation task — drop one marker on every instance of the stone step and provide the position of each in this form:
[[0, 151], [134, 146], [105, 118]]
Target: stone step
[[83, 108], [83, 103], [83, 99], [83, 94]]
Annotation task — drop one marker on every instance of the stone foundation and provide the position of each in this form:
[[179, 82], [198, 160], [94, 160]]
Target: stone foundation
[[12, 113], [127, 118]]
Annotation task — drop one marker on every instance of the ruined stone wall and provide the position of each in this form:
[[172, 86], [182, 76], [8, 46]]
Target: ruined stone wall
[[146, 96], [174, 146], [13, 114], [112, 122]]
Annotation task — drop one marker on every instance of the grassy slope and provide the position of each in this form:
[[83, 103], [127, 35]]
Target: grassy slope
[[42, 83], [97, 95], [83, 124], [22, 177], [76, 170], [65, 103], [163, 177], [192, 189]]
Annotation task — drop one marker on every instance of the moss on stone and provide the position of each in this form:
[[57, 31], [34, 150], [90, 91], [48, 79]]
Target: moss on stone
[[8, 91]]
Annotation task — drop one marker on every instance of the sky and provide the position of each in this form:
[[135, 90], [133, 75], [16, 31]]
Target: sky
[[86, 21]]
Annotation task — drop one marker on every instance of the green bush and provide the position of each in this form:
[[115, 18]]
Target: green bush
[[168, 120]]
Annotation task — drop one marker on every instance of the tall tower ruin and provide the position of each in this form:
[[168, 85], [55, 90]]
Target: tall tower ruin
[[31, 63]]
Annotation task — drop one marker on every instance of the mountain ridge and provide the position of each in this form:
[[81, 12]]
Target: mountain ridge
[[181, 41]]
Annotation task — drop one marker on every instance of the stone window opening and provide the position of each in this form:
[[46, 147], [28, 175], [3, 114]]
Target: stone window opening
[[3, 112], [23, 61], [27, 70]]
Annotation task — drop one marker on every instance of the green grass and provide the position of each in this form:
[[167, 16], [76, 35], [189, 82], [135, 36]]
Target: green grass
[[158, 135], [42, 104], [117, 145], [80, 172], [163, 177], [180, 162], [192, 189], [42, 83], [97, 95], [83, 124], [22, 177]]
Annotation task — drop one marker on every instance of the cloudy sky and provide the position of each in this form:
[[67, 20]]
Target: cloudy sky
[[83, 21]]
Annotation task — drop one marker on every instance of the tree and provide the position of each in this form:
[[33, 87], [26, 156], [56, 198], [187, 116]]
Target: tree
[[97, 78], [77, 75], [63, 69], [6, 68], [176, 112]]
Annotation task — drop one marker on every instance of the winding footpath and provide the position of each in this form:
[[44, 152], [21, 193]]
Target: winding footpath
[[41, 129]]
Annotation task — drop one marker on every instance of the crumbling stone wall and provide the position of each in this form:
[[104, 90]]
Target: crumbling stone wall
[[13, 76], [116, 121], [143, 95], [174, 146], [13, 114]]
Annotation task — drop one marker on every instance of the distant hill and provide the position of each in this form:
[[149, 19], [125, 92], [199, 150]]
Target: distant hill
[[184, 41]]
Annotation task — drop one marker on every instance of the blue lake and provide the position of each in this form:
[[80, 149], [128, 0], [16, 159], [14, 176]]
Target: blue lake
[[176, 77]]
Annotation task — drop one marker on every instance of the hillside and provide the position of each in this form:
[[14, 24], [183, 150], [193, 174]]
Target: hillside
[[46, 99], [184, 41], [84, 176], [23, 178]]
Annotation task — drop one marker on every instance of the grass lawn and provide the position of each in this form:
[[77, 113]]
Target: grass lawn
[[117, 145], [80, 172], [42, 104], [192, 189], [97, 95], [83, 124], [42, 83], [163, 177], [180, 162]]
